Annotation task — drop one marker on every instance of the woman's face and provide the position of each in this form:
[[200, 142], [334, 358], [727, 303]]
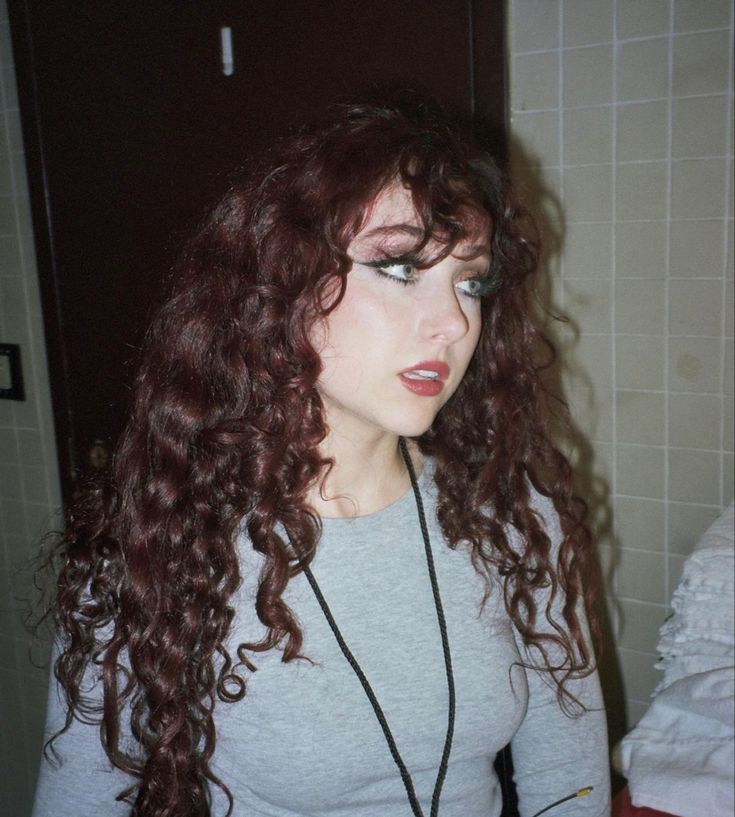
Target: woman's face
[[398, 344]]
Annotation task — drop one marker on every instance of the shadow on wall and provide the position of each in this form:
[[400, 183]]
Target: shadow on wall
[[564, 376]]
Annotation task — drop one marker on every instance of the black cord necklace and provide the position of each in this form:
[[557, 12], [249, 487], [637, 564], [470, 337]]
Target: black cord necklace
[[379, 714]]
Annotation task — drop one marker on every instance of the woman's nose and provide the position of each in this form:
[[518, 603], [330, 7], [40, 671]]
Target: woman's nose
[[442, 317]]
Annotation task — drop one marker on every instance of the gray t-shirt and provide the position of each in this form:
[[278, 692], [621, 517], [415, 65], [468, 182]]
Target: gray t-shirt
[[305, 740]]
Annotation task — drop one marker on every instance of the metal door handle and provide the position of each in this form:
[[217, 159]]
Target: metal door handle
[[99, 456], [228, 58]]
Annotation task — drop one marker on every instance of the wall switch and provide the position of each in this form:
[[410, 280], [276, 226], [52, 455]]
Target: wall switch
[[11, 376]]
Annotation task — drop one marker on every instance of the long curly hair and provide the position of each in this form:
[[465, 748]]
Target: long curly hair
[[225, 428]]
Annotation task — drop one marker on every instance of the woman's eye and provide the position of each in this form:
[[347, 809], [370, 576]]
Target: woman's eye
[[403, 271], [479, 287]]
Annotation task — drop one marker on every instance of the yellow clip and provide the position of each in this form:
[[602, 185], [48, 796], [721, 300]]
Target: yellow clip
[[581, 793]]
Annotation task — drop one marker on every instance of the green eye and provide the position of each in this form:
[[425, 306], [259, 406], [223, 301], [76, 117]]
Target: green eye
[[479, 287], [403, 271], [399, 270]]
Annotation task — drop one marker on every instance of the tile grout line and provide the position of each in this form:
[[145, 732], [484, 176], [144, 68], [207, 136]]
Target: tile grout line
[[667, 302], [723, 314], [644, 100], [560, 149], [626, 40], [617, 623]]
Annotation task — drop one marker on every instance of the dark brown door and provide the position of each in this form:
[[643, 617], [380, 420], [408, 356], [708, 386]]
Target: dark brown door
[[132, 120]]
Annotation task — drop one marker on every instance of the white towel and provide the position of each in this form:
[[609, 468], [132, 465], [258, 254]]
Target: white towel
[[680, 758]]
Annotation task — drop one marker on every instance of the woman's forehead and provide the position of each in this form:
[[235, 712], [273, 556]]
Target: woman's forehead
[[392, 221], [392, 206]]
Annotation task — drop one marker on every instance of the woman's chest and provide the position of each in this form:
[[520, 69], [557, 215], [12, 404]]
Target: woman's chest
[[306, 734]]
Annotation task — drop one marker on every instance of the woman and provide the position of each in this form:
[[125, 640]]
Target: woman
[[337, 565]]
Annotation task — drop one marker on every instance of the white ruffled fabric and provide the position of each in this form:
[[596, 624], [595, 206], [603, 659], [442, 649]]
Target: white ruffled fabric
[[680, 758]]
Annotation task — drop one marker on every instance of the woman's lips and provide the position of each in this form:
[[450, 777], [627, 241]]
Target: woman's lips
[[425, 378]]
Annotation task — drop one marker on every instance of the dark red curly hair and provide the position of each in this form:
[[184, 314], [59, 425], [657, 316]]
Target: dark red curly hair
[[226, 425]]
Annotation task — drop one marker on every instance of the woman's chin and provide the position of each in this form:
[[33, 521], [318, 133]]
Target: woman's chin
[[414, 427]]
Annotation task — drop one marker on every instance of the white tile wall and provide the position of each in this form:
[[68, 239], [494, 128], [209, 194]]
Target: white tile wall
[[633, 128], [29, 490]]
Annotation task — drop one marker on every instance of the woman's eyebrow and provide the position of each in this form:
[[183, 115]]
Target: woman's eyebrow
[[390, 229], [387, 231], [476, 251]]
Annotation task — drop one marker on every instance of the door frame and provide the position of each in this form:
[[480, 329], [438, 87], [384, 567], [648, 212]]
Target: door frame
[[489, 107]]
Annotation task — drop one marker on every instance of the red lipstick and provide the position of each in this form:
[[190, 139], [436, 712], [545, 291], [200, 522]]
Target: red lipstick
[[425, 378]]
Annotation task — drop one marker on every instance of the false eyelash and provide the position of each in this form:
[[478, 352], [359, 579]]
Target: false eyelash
[[405, 281], [490, 285], [381, 263]]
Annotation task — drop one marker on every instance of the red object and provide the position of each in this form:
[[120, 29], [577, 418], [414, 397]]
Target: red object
[[438, 366], [426, 388], [622, 807]]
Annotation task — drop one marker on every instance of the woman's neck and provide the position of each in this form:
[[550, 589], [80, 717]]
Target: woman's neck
[[367, 476]]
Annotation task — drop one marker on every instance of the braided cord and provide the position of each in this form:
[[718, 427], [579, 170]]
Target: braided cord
[[379, 714], [352, 661], [442, 629]]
